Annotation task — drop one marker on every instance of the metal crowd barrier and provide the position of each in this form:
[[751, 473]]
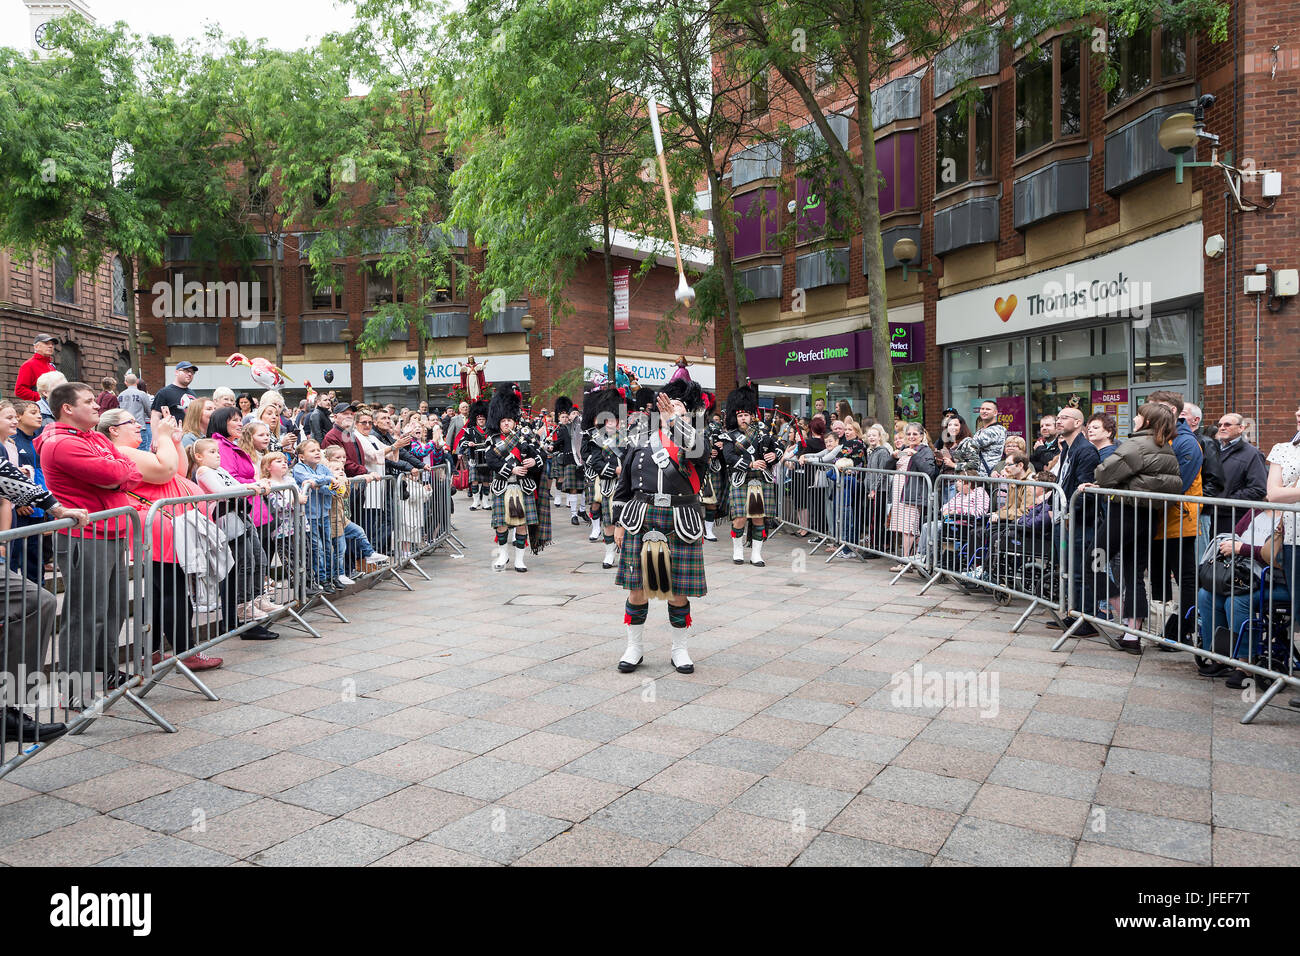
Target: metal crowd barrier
[[73, 640], [882, 513], [1002, 535], [804, 502], [1137, 566]]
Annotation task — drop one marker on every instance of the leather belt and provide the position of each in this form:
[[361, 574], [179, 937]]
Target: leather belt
[[672, 501]]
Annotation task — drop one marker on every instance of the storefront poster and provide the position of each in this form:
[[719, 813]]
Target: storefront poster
[[1011, 414], [910, 398], [817, 391], [622, 321], [1114, 402]]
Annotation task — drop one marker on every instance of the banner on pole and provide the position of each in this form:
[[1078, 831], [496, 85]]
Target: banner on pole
[[622, 321]]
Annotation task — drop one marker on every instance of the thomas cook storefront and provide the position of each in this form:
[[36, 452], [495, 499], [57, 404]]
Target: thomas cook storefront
[[834, 367], [1105, 331]]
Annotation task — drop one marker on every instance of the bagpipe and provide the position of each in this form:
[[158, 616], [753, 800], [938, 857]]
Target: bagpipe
[[605, 455], [755, 443]]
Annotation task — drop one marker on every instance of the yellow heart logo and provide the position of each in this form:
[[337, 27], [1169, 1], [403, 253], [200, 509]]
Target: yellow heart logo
[[1004, 307]]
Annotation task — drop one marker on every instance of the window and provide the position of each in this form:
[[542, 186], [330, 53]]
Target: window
[[1144, 59], [896, 160], [258, 196], [1160, 350], [758, 93], [120, 287], [321, 195], [330, 297], [977, 372], [965, 143], [265, 291], [450, 288], [379, 290], [1048, 104], [1074, 364], [823, 70], [65, 279], [756, 216]]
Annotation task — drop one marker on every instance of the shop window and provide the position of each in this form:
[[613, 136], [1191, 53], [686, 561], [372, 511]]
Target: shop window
[[1144, 59], [756, 222], [1073, 364], [965, 143], [992, 370], [320, 299], [1160, 350], [65, 279], [1048, 100], [896, 160]]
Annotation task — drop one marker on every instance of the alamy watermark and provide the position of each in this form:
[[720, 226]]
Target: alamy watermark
[[208, 300], [921, 688]]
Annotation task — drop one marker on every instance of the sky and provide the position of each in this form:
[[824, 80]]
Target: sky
[[287, 23]]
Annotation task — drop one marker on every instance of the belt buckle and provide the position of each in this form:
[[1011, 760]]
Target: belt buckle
[[661, 457], [663, 501]]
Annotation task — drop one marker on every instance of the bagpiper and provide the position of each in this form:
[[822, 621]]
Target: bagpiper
[[713, 489], [517, 462], [603, 445], [567, 465], [471, 443], [660, 521], [750, 451]]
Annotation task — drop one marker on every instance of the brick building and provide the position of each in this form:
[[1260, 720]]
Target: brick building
[[320, 326], [1059, 256], [86, 313]]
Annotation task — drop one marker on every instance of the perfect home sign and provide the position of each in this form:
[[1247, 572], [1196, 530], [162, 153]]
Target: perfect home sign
[[834, 353]]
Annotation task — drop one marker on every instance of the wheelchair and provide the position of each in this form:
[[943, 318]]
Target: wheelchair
[[1267, 638], [1025, 560]]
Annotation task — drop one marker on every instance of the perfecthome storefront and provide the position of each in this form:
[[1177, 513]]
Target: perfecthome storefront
[[833, 367], [1103, 331]]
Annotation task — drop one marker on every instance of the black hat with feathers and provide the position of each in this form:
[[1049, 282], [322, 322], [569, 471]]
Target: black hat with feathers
[[600, 402], [563, 405], [743, 399], [506, 403], [686, 391]]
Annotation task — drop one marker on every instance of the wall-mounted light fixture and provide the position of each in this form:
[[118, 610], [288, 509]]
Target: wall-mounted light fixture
[[346, 337], [905, 251], [1180, 133]]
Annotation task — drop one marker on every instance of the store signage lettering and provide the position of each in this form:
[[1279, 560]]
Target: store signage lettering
[[1083, 299], [820, 355], [643, 373]]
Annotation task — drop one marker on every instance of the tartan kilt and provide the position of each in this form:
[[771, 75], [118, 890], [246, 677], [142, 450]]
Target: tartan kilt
[[687, 558], [738, 500], [543, 524], [568, 478], [499, 509]]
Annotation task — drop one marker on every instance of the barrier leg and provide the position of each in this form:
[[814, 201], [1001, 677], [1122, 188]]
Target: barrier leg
[[1024, 617], [1260, 704]]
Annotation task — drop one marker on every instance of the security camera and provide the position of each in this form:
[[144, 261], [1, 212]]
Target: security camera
[[1214, 246], [789, 207], [1205, 101]]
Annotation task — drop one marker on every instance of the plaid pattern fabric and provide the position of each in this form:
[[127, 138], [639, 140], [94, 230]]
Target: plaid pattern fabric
[[738, 500], [543, 523], [593, 503], [499, 510], [568, 478], [687, 559]]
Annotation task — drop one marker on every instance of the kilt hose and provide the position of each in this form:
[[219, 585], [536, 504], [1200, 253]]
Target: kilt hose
[[568, 478], [738, 502], [687, 557]]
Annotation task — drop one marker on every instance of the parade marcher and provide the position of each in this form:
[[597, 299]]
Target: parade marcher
[[472, 444], [750, 452], [660, 522], [517, 464], [567, 463], [713, 489], [602, 453]]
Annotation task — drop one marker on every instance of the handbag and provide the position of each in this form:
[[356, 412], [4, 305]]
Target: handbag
[[460, 480], [1227, 574]]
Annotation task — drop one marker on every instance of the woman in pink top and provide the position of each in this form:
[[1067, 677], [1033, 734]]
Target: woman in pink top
[[171, 610], [226, 428]]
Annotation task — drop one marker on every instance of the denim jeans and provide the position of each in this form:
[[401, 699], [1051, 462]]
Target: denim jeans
[[322, 550], [352, 534], [1238, 610]]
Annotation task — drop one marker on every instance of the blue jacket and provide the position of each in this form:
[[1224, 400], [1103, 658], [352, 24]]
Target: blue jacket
[[28, 455], [1078, 464], [1188, 452], [319, 498]]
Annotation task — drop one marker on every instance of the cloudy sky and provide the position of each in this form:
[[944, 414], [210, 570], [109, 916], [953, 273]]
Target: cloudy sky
[[287, 24]]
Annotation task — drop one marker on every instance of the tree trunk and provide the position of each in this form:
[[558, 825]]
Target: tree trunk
[[722, 259], [612, 356], [276, 286], [419, 352]]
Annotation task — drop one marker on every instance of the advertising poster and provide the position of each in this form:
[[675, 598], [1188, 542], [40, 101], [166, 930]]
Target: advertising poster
[[1114, 402], [1011, 414], [910, 398], [622, 320]]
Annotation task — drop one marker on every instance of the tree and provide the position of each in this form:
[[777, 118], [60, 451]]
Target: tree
[[555, 143], [283, 120], [97, 155], [402, 171], [858, 39]]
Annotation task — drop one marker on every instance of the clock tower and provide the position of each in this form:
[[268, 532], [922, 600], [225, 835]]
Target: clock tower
[[40, 12]]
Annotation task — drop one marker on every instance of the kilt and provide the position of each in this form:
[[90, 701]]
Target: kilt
[[595, 503], [568, 478], [738, 500], [499, 510], [687, 558]]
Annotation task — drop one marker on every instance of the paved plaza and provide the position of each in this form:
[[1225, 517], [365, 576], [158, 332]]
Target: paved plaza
[[480, 721]]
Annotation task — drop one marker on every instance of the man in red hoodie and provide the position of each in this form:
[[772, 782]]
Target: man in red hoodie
[[84, 470], [35, 367]]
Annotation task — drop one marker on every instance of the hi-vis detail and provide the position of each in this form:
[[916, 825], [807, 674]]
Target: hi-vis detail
[[75, 909]]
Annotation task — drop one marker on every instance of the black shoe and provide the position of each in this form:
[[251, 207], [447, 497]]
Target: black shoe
[[1295, 701], [573, 520], [258, 632], [1130, 645], [625, 668], [1238, 679], [1214, 669], [18, 726], [116, 680], [707, 538]]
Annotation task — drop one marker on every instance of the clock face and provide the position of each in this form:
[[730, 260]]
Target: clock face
[[43, 37]]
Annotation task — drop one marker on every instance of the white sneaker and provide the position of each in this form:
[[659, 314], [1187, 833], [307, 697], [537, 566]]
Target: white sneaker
[[345, 580], [378, 558], [266, 606]]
